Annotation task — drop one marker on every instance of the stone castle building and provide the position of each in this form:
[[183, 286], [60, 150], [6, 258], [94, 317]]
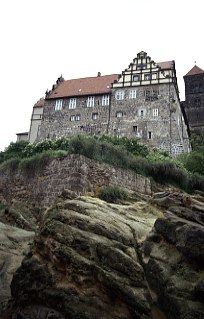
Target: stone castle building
[[194, 98], [143, 102]]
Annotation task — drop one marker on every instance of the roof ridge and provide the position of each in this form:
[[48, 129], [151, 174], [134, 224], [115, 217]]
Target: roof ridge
[[195, 70]]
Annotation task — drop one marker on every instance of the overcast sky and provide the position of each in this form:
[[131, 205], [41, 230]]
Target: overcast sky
[[42, 39]]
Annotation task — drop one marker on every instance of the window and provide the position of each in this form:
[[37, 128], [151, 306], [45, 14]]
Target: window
[[90, 101], [105, 100], [155, 112], [149, 135], [141, 66], [58, 105], [135, 128], [119, 95], [151, 95], [78, 117], [136, 78], [94, 116], [147, 77], [132, 94], [119, 114], [72, 103], [197, 102], [141, 112]]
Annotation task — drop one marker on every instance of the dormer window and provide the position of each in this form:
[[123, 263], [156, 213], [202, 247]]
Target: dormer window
[[58, 104], [120, 95]]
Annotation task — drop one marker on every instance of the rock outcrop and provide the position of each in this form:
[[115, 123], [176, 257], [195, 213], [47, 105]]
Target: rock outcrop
[[14, 243], [86, 263], [137, 260], [174, 256]]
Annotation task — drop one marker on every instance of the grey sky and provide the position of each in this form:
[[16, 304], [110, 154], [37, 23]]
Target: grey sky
[[42, 39]]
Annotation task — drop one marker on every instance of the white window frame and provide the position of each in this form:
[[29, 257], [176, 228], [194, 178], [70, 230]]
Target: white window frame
[[90, 101], [77, 117], [132, 94], [119, 114], [155, 112], [105, 100], [72, 118], [58, 104], [72, 103], [120, 95]]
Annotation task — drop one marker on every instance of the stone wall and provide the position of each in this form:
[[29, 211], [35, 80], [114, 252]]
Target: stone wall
[[74, 172], [79, 120], [157, 121]]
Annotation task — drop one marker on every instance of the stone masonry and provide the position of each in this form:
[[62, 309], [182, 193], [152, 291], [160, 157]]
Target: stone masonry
[[74, 172], [143, 102]]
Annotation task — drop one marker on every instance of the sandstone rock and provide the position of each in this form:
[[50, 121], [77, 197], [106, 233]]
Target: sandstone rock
[[174, 256], [14, 243], [86, 262]]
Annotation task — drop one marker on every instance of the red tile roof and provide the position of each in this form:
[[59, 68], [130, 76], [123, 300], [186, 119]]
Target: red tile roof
[[40, 103], [165, 65], [195, 70], [84, 86]]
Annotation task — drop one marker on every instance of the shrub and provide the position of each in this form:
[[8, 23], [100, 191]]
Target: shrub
[[30, 166], [112, 194], [196, 182], [12, 164], [167, 172]]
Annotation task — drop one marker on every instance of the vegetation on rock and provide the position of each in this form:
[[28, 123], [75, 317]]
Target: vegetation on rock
[[185, 172]]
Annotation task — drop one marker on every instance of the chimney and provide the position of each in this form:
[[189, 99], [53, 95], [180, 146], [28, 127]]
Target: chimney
[[99, 74]]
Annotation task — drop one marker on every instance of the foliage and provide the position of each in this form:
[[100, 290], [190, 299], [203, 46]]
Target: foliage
[[195, 162], [120, 152], [196, 182], [30, 166], [12, 164], [112, 194], [14, 150], [132, 145], [197, 140]]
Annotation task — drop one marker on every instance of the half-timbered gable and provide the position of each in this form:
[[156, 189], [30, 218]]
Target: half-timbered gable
[[145, 104], [141, 102]]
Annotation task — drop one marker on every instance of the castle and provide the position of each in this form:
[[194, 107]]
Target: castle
[[143, 102]]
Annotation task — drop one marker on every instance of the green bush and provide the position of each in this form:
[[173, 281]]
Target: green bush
[[35, 164], [132, 145], [196, 182], [12, 164], [112, 194]]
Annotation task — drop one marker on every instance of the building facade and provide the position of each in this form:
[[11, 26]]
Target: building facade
[[194, 98], [142, 102], [36, 119]]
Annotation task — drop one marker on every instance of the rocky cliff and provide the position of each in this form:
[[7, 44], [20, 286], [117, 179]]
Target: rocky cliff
[[91, 259]]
